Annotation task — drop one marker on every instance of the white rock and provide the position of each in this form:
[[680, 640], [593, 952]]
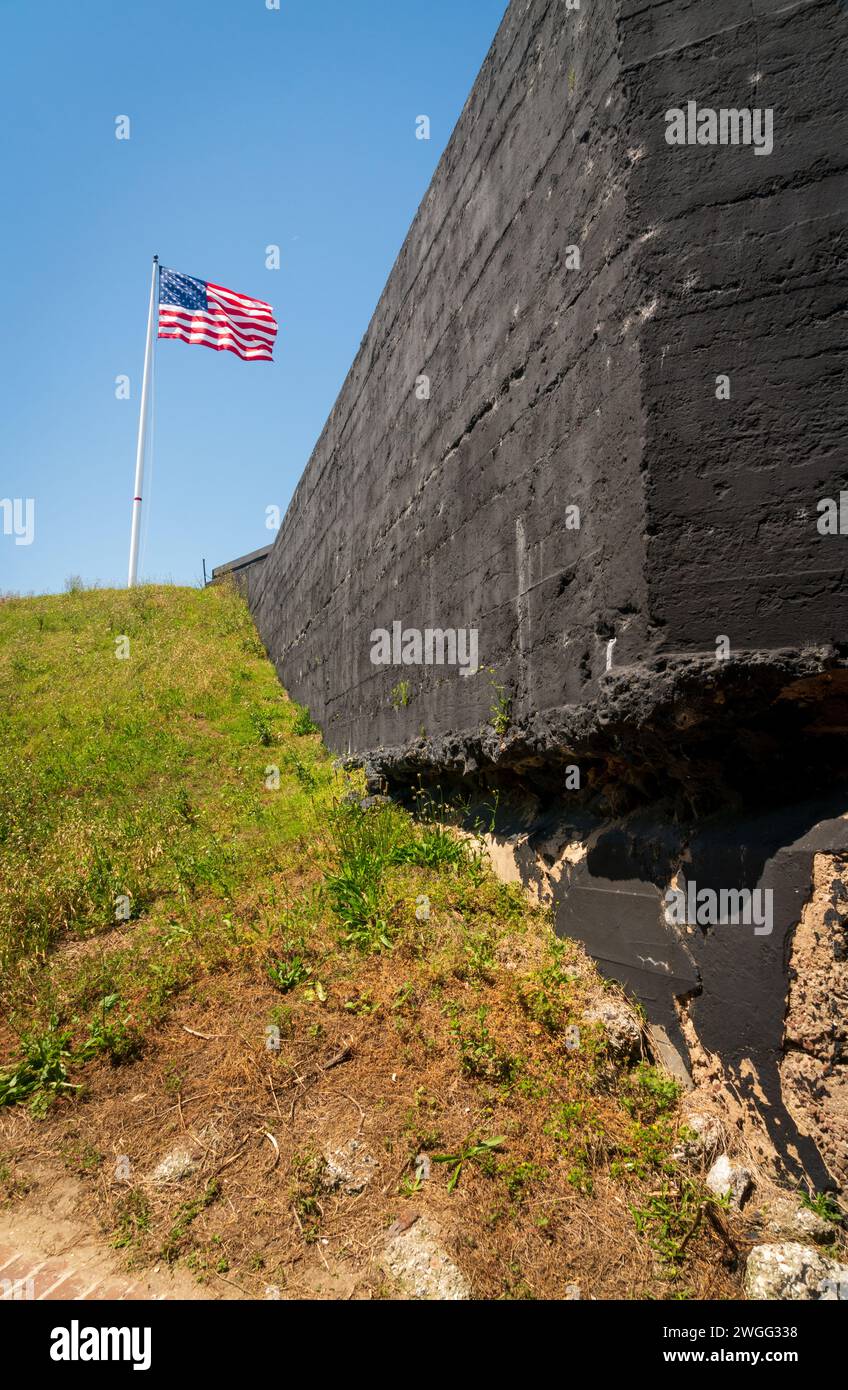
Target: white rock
[[619, 1022], [709, 1129], [416, 1259], [725, 1177], [794, 1273], [176, 1166], [351, 1168], [785, 1220], [706, 1138]]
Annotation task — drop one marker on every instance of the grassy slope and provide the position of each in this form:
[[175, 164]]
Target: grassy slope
[[274, 929]]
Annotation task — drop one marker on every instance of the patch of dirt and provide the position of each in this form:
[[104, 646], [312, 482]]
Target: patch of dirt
[[254, 1218], [814, 1071], [45, 1228]]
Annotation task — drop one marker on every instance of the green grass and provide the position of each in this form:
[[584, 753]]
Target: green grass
[[140, 778], [177, 795], [134, 795], [172, 825], [133, 1217]]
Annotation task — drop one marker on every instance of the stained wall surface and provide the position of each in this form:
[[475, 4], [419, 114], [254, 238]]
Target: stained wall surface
[[558, 381], [742, 262], [452, 512]]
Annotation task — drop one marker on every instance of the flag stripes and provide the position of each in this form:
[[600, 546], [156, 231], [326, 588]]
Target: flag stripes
[[197, 311]]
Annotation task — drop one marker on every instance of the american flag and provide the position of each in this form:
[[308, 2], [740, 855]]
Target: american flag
[[197, 311]]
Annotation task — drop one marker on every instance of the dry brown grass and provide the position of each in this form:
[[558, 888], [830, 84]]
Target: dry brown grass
[[400, 1089]]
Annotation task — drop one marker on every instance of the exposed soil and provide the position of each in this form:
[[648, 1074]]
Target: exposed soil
[[256, 1126]]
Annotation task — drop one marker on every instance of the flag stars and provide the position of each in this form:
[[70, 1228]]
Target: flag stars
[[197, 311]]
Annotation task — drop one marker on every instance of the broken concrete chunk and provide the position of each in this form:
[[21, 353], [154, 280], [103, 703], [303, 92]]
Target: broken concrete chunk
[[350, 1168], [421, 1266], [708, 1128], [794, 1272], [622, 1027], [176, 1166], [786, 1220], [725, 1177], [706, 1136]]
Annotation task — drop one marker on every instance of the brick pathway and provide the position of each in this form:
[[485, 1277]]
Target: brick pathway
[[23, 1276]]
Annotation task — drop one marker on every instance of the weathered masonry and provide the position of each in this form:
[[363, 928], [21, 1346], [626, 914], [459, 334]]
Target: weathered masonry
[[598, 419]]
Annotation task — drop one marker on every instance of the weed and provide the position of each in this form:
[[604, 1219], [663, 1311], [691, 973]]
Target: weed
[[262, 726], [308, 1172], [650, 1093], [304, 774], [436, 847], [500, 714], [133, 1213], [41, 1073], [420, 1128], [406, 999], [303, 723], [356, 898], [186, 1215], [287, 974], [282, 1018], [401, 695], [479, 1151], [80, 1156], [671, 1217], [479, 951], [411, 1185], [543, 997], [580, 1177], [174, 1080], [115, 1036], [824, 1204], [519, 1177], [362, 1004], [363, 844], [581, 1134], [11, 1186], [647, 1150], [481, 1057]]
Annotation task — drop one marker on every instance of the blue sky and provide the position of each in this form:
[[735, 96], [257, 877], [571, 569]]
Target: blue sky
[[249, 127]]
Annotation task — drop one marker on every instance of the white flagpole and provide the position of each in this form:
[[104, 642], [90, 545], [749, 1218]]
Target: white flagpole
[[142, 431]]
